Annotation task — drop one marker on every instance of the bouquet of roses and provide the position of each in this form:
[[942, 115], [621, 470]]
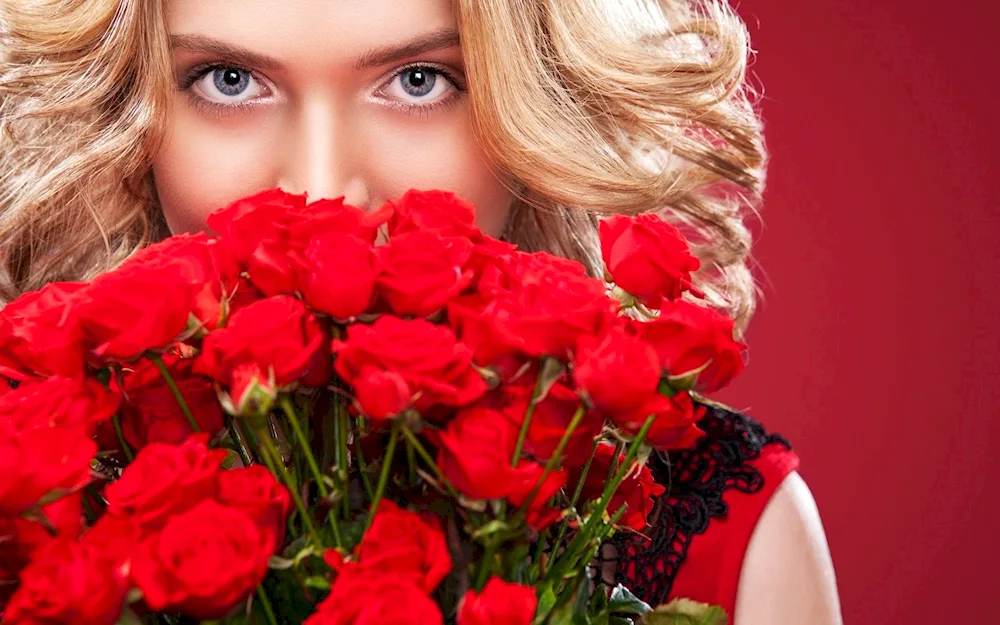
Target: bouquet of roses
[[288, 422]]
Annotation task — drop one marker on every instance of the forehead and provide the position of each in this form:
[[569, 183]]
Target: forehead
[[303, 29]]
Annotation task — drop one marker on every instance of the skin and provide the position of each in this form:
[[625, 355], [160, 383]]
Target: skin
[[309, 119], [787, 576], [327, 103]]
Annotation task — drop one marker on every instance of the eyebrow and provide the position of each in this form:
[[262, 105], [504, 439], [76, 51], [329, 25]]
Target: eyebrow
[[228, 51], [435, 40]]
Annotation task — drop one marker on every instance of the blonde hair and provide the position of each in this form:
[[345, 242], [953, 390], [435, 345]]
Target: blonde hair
[[592, 107]]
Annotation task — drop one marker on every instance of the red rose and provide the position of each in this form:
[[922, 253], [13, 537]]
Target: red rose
[[647, 257], [549, 421], [165, 480], [618, 372], [245, 222], [146, 303], [114, 539], [694, 339], [254, 491], [272, 230], [40, 336], [151, 414], [359, 598], [475, 452], [255, 228], [333, 216], [440, 212], [42, 463], [422, 272], [435, 366], [405, 543], [274, 343], [534, 304], [328, 238], [24, 535], [639, 490], [675, 426], [203, 562], [381, 394], [338, 275], [273, 264], [208, 262], [500, 603], [58, 402], [447, 215], [67, 583]]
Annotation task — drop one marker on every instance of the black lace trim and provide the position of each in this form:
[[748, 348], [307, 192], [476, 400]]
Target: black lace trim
[[696, 479]]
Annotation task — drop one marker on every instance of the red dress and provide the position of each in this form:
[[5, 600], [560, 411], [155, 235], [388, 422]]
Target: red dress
[[702, 525]]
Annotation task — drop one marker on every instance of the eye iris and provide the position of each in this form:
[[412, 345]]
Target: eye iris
[[231, 81], [418, 82]]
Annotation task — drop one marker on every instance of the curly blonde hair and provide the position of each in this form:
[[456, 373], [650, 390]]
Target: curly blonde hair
[[593, 107]]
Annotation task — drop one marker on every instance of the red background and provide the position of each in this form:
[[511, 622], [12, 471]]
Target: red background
[[876, 350]]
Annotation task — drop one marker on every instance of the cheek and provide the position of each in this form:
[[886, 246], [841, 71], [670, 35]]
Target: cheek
[[437, 153], [204, 166]]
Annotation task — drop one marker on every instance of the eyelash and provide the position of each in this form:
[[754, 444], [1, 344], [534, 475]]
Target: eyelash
[[426, 109], [198, 72], [201, 70]]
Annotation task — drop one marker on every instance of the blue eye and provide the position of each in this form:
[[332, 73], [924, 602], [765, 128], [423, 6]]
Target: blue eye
[[231, 82], [227, 85], [419, 85], [418, 82]]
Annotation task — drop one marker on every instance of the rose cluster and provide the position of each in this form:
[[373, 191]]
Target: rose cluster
[[400, 561], [215, 423]]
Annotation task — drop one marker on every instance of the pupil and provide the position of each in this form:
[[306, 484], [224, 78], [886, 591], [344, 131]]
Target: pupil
[[231, 81], [418, 82]]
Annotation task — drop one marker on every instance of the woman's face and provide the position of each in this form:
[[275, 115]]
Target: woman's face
[[357, 98]]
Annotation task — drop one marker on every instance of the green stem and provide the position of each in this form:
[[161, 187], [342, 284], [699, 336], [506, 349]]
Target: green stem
[[583, 474], [564, 526], [272, 458], [383, 478], [158, 361], [597, 515], [343, 471], [300, 437], [613, 520], [89, 514], [553, 461], [363, 471], [486, 566], [116, 422], [338, 435], [523, 433], [614, 465], [411, 462], [266, 604], [412, 439], [241, 447]]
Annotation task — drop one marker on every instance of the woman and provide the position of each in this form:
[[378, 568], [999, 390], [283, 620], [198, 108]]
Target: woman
[[126, 120]]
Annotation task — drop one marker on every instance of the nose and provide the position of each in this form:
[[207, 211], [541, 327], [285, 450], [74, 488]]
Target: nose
[[320, 157]]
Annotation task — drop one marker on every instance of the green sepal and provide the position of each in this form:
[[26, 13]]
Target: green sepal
[[685, 612], [552, 370], [685, 381], [546, 601], [622, 601]]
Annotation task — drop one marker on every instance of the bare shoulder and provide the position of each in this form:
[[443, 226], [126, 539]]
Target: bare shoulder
[[788, 576]]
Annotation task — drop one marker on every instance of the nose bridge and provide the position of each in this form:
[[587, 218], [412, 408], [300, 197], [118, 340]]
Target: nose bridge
[[319, 161]]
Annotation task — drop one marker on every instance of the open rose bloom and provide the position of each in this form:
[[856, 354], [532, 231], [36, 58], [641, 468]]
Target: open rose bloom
[[287, 423]]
